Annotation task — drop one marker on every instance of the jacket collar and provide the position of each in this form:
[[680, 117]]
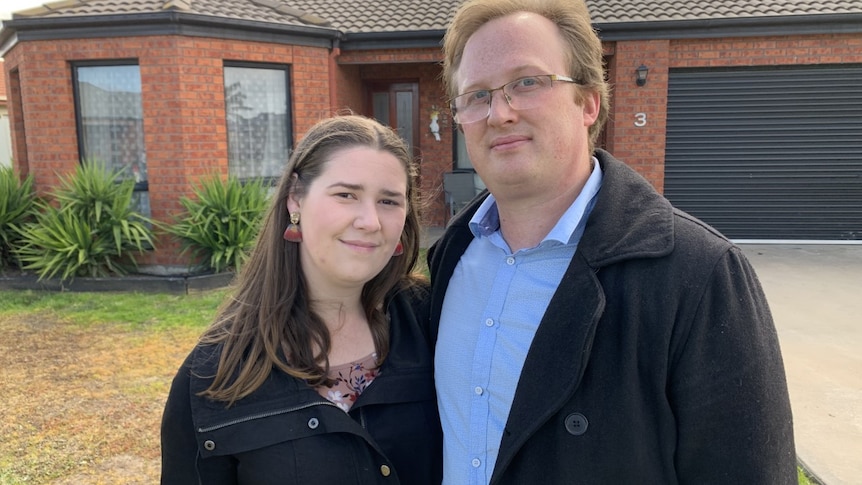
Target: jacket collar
[[612, 233]]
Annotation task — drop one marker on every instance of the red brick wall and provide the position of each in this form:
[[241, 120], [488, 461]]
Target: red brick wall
[[183, 103], [386, 56], [638, 116], [767, 51], [349, 93]]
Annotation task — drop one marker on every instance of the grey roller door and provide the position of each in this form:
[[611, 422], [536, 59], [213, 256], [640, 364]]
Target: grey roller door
[[768, 153]]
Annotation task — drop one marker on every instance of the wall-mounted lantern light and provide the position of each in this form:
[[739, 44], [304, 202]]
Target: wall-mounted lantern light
[[641, 74]]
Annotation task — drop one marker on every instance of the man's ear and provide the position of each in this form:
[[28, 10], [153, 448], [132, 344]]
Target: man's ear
[[592, 104]]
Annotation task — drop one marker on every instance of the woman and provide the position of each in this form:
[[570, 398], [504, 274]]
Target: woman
[[318, 369]]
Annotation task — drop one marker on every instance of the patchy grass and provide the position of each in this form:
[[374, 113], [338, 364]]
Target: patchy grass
[[85, 377], [84, 382], [136, 310]]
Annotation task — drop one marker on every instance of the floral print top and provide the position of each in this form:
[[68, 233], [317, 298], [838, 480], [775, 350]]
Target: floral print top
[[350, 380]]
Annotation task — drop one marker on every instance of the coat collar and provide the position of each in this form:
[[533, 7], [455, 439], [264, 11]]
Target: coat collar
[[630, 219], [613, 233]]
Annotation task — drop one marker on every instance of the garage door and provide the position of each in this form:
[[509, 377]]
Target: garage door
[[768, 153]]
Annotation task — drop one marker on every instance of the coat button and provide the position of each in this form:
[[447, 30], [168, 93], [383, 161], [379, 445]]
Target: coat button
[[209, 445], [313, 423], [384, 470], [576, 424]]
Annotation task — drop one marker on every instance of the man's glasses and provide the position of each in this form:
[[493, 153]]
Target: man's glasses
[[522, 93]]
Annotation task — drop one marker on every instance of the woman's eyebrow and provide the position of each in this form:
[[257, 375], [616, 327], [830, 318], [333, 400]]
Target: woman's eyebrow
[[345, 185], [386, 192]]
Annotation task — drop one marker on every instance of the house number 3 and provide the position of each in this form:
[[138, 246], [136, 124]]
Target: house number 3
[[640, 119]]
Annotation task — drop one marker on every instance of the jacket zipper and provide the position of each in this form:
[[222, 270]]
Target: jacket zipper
[[267, 414]]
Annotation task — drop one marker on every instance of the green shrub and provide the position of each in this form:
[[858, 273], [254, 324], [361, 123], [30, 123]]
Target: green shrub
[[91, 230], [220, 223], [17, 207]]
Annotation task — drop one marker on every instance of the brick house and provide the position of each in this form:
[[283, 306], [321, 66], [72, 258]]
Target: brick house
[[750, 115]]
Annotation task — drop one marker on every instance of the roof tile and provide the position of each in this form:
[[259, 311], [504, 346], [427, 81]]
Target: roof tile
[[359, 16], [614, 11]]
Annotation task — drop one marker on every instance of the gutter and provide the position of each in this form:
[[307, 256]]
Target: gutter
[[845, 23], [393, 40]]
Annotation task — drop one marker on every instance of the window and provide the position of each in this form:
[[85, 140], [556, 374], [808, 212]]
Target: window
[[462, 159], [258, 120], [111, 122]]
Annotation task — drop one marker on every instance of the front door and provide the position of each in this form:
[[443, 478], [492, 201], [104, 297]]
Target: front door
[[397, 105]]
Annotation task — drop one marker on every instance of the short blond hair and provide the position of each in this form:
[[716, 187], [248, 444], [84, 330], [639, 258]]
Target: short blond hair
[[571, 17]]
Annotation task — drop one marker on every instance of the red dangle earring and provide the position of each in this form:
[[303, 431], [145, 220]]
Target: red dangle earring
[[399, 249], [293, 233]]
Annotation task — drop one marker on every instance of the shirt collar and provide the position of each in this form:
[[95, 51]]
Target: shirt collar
[[486, 219]]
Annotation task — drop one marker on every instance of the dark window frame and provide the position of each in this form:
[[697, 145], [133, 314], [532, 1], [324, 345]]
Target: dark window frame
[[290, 116], [142, 186]]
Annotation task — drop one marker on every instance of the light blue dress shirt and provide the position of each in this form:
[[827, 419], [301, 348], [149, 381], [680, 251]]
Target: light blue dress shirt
[[493, 306]]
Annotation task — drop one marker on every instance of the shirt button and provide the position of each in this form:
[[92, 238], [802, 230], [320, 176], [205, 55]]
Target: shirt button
[[475, 463], [510, 261], [313, 423], [478, 390], [384, 470], [209, 445], [489, 322]]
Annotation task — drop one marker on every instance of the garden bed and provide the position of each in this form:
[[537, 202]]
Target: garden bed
[[177, 284]]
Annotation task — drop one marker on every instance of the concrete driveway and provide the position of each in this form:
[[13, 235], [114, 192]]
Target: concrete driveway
[[815, 293]]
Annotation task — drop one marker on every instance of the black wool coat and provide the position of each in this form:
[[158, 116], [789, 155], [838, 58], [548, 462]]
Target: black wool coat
[[657, 360], [286, 433]]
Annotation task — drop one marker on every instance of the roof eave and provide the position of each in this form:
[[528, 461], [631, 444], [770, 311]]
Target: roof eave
[[161, 23], [415, 39], [737, 27]]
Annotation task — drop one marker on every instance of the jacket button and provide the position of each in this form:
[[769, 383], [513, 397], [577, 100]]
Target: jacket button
[[313, 423], [384, 470], [576, 424], [209, 445]]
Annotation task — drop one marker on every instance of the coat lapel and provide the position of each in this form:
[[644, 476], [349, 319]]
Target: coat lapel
[[550, 376]]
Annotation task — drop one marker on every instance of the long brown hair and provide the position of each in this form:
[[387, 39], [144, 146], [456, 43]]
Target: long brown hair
[[268, 323]]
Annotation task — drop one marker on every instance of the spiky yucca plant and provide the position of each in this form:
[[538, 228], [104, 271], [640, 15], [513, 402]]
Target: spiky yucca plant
[[90, 230], [17, 207], [221, 222]]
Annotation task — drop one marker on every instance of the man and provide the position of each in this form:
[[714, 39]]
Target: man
[[588, 331]]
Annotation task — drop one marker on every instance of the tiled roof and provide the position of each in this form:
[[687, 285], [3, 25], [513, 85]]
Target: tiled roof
[[360, 16], [615, 11], [382, 15], [271, 11]]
